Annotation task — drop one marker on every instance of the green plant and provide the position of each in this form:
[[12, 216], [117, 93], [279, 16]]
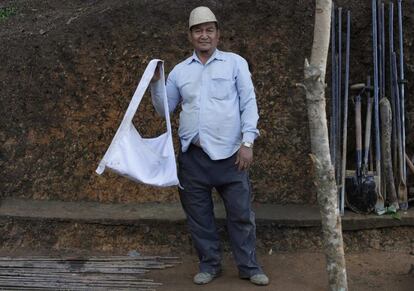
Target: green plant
[[6, 12], [396, 215]]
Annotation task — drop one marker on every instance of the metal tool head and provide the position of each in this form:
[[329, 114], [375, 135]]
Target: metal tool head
[[361, 194], [358, 86], [361, 88]]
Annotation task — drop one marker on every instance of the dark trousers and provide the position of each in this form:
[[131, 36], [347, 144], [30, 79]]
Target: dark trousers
[[198, 174]]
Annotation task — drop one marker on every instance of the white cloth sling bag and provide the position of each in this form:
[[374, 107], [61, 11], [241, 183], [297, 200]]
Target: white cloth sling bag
[[145, 160]]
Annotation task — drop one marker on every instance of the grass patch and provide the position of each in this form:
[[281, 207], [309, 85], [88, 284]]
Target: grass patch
[[6, 12]]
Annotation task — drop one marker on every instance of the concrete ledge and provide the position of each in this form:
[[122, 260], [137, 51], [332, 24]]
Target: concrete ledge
[[126, 214]]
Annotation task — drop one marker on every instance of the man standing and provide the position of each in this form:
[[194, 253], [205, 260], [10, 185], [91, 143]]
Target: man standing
[[217, 130]]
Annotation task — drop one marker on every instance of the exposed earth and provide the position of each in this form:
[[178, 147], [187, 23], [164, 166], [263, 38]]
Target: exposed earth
[[302, 272], [67, 72], [376, 259], [295, 271]]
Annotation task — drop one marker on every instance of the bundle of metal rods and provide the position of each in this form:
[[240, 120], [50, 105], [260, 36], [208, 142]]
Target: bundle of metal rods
[[388, 175], [93, 273], [339, 111]]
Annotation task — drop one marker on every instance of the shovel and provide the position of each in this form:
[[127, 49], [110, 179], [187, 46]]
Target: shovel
[[361, 192]]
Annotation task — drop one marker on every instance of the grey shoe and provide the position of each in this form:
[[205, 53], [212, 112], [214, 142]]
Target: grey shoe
[[259, 279], [203, 278]]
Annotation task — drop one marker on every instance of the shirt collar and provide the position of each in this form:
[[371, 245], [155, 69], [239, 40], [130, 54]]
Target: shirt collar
[[217, 55]]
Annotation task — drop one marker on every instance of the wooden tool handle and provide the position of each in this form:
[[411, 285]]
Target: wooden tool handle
[[409, 163]]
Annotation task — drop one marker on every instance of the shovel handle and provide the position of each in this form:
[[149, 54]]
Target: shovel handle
[[409, 163], [358, 133], [368, 122]]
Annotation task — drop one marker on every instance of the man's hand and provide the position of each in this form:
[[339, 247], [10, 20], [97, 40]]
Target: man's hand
[[157, 73], [244, 158]]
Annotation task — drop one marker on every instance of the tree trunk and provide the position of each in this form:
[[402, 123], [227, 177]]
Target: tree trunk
[[314, 84]]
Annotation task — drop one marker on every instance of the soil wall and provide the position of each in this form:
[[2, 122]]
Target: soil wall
[[69, 68]]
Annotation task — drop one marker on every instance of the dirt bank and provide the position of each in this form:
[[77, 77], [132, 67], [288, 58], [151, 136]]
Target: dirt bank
[[68, 70]]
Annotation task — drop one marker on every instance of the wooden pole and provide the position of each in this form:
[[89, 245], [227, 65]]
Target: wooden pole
[[314, 85]]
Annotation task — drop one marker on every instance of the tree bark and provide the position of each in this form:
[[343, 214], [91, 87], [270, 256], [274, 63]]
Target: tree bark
[[314, 84]]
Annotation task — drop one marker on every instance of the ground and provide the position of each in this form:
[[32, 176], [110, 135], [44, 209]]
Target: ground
[[293, 271], [289, 249], [301, 271]]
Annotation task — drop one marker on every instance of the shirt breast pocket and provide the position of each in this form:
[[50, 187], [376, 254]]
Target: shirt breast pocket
[[221, 85]]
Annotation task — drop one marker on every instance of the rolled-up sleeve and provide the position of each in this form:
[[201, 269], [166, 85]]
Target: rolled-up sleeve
[[248, 106]]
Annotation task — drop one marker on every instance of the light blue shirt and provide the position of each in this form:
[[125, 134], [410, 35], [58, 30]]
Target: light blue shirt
[[218, 103]]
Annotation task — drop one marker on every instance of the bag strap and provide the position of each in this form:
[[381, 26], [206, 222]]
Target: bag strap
[[136, 100], [140, 91]]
